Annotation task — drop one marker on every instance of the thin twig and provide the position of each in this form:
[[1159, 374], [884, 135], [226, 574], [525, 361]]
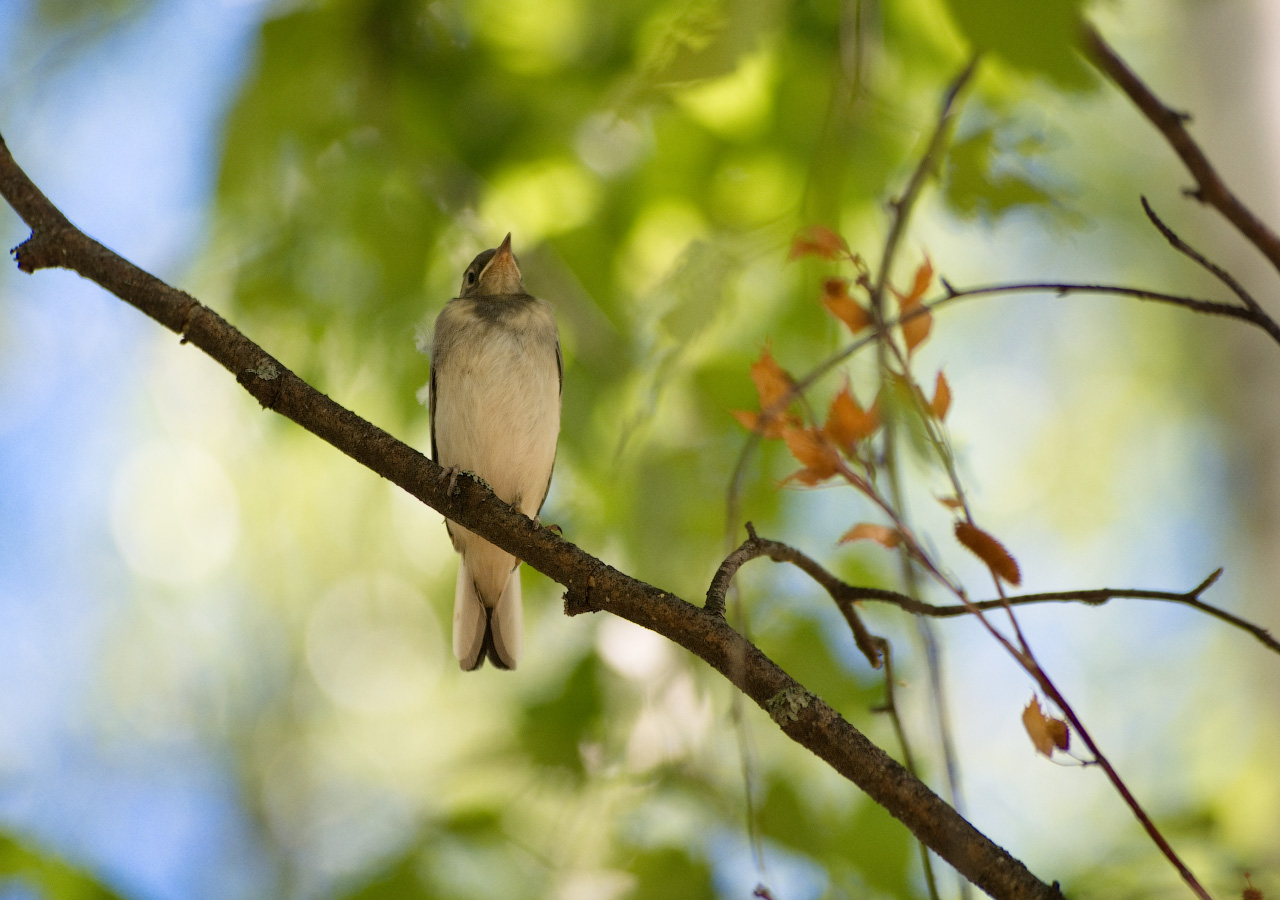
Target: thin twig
[[1117, 782], [755, 547], [909, 557], [890, 708], [1263, 320], [1210, 188], [928, 164], [1092, 597]]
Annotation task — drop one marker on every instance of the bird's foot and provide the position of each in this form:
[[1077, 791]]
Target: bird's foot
[[452, 473]]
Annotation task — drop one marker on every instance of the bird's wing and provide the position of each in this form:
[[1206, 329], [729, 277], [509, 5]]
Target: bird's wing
[[560, 365], [431, 408]]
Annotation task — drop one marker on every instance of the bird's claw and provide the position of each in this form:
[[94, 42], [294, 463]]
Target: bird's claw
[[452, 473]]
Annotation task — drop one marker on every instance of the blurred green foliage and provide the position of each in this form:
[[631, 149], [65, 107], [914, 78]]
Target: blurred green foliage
[[652, 159], [24, 867]]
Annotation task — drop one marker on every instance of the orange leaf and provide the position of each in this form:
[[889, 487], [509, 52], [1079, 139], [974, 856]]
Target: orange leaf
[[989, 550], [847, 422], [916, 328], [747, 419], [924, 277], [941, 398], [835, 297], [1045, 732], [766, 426], [817, 454], [818, 241], [881, 534], [772, 381], [949, 502]]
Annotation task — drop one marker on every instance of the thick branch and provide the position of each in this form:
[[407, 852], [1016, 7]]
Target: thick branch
[[1210, 188], [591, 584]]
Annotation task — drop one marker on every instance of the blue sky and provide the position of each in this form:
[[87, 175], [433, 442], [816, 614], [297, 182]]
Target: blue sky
[[120, 129]]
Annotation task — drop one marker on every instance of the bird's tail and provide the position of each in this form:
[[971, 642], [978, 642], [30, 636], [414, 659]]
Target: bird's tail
[[479, 631]]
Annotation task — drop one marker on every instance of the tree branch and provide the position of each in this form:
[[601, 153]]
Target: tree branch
[[1210, 188], [1260, 317], [591, 584]]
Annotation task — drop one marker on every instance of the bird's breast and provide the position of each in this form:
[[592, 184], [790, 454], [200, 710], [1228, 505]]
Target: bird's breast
[[498, 395]]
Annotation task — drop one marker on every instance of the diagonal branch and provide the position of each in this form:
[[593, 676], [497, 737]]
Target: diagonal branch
[[591, 584], [1210, 188], [1263, 320]]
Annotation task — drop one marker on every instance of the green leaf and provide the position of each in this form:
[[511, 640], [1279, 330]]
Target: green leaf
[[52, 877], [973, 189], [1037, 37], [554, 728], [672, 875]]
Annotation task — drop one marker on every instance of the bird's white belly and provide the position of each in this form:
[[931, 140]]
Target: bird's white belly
[[498, 415]]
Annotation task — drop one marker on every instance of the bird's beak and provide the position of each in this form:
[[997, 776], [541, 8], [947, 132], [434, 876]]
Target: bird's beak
[[503, 268]]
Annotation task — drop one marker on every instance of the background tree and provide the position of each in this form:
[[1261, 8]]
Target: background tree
[[283, 606]]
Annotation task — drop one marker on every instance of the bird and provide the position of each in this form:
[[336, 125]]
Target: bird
[[497, 378]]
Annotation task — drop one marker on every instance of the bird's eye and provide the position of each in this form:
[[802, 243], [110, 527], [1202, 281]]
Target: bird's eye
[[471, 276]]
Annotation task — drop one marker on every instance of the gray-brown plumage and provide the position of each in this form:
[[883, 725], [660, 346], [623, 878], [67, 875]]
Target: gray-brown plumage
[[496, 378]]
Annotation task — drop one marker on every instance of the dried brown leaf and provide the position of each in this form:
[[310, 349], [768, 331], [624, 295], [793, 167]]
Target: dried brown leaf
[[1045, 732], [941, 398], [818, 240], [835, 297], [773, 384], [866, 531], [815, 452], [990, 551], [848, 422], [920, 322]]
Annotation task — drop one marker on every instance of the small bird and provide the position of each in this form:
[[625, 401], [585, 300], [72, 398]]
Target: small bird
[[496, 382]]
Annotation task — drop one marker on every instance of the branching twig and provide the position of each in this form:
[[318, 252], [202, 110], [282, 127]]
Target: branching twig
[[755, 547], [875, 648], [1260, 317], [591, 584], [1062, 288], [904, 205], [1210, 188]]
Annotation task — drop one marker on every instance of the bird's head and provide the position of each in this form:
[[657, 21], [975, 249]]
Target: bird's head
[[493, 273]]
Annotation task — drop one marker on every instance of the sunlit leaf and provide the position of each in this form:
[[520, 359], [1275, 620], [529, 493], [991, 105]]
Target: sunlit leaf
[[867, 531], [835, 297], [989, 550]]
